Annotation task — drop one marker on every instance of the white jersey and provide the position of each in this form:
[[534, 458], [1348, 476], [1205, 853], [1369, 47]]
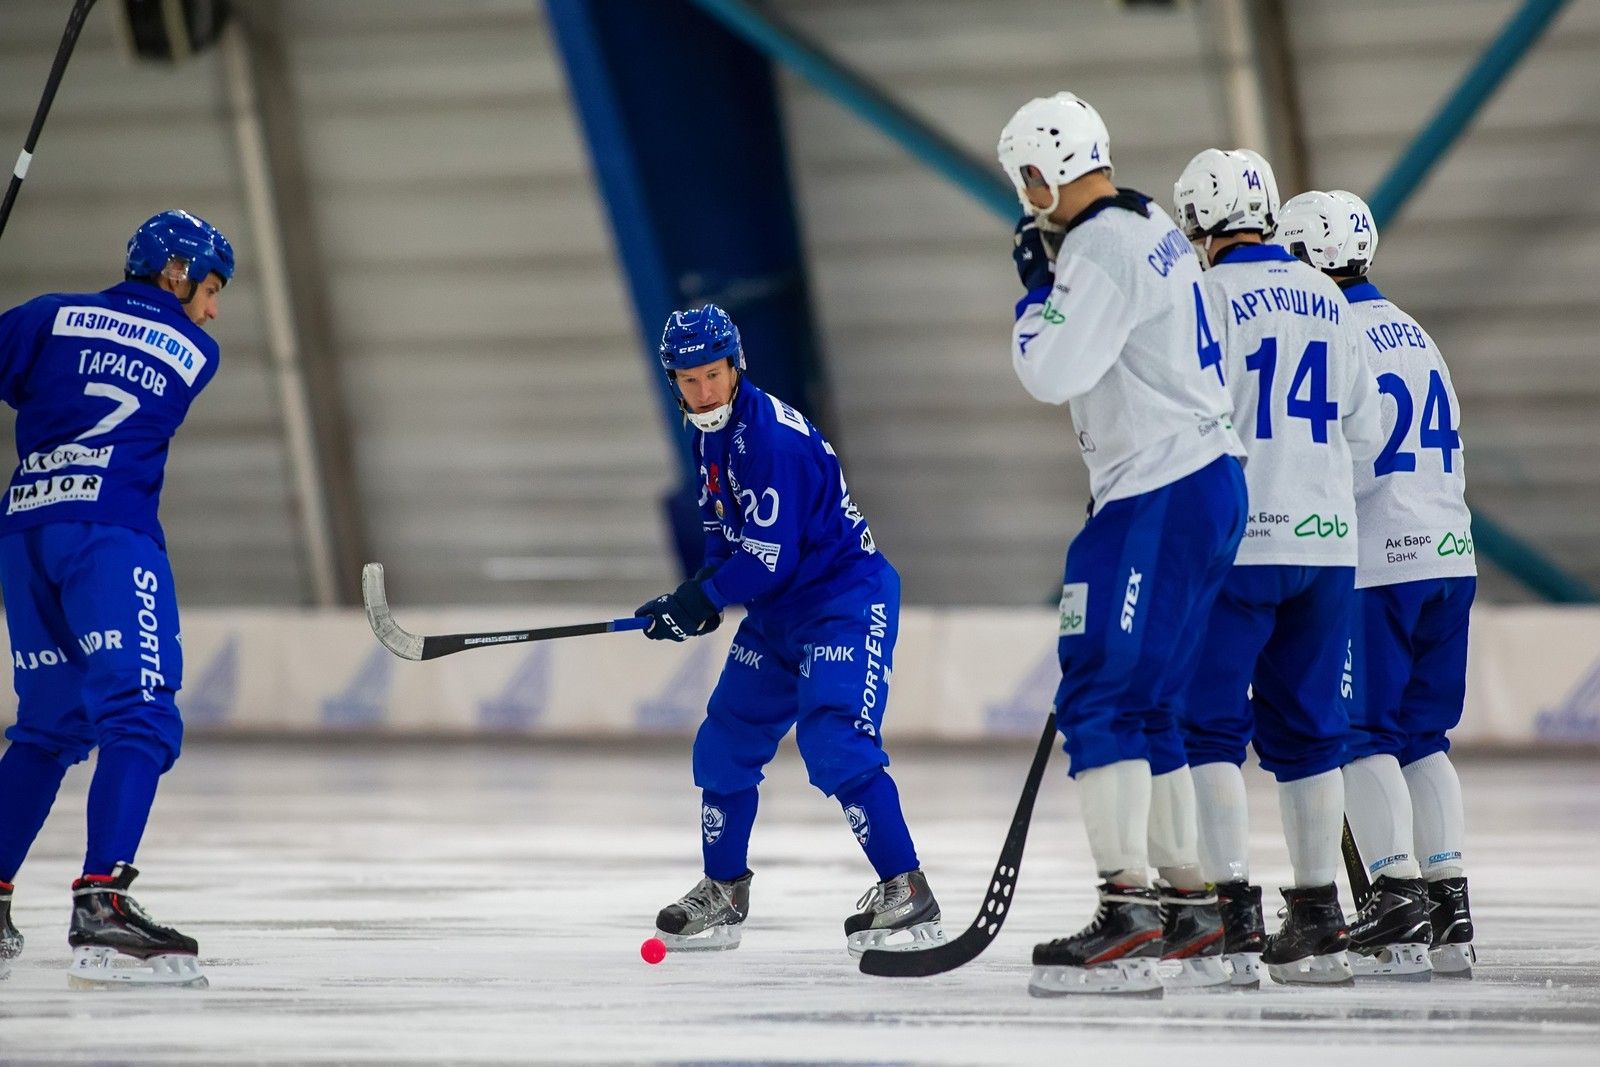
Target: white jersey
[[1304, 403], [1411, 497], [1123, 336]]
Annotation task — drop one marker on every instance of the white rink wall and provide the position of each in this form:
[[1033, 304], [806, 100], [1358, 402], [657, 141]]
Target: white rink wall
[[959, 674]]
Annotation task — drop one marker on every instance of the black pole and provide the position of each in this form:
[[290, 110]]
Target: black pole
[[69, 39]]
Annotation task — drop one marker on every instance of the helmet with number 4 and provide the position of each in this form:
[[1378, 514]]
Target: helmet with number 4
[[1226, 192], [1062, 136], [179, 235], [1332, 231]]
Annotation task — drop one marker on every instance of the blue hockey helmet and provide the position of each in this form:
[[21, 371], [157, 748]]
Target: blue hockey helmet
[[699, 336], [180, 235]]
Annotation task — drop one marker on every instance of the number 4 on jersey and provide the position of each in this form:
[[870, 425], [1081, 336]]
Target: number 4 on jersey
[[1205, 344]]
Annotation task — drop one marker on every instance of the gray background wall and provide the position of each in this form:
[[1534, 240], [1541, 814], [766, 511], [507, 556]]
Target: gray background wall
[[506, 447]]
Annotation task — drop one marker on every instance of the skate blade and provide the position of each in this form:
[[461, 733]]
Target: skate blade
[[97, 967], [1129, 978], [1330, 969], [1453, 961], [1195, 973], [717, 939], [1244, 969], [1402, 962], [911, 939]]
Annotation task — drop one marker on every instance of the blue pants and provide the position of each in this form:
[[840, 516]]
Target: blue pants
[[826, 674], [94, 637], [1283, 632], [1140, 581], [1409, 649]]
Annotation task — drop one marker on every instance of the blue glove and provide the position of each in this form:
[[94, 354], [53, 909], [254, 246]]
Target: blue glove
[[1029, 254], [681, 614]]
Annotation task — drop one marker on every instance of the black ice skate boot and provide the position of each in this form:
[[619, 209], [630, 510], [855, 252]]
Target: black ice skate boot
[[1310, 947], [1115, 953], [708, 918], [1192, 939], [1450, 916], [10, 936], [1244, 934], [116, 944], [1391, 936], [902, 904]]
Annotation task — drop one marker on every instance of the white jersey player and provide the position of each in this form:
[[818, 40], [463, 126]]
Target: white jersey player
[[1114, 323], [1416, 578], [1273, 651]]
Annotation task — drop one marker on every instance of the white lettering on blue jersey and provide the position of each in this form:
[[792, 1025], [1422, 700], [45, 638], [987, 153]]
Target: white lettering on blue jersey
[[146, 335]]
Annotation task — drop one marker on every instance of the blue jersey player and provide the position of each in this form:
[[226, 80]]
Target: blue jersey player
[[101, 382], [784, 539]]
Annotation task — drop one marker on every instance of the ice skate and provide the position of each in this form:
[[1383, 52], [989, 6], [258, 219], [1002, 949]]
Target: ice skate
[[1116, 953], [1450, 915], [1391, 936], [1244, 935], [115, 944], [1310, 948], [1192, 940], [897, 915], [10, 936], [708, 918]]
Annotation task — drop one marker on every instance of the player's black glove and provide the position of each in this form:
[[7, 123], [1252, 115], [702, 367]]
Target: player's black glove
[[1029, 253], [681, 614]]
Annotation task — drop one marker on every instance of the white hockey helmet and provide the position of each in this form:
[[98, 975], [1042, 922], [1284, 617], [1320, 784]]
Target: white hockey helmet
[[1062, 136], [1332, 231], [1222, 192]]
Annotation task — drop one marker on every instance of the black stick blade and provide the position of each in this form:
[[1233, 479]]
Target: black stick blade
[[996, 903]]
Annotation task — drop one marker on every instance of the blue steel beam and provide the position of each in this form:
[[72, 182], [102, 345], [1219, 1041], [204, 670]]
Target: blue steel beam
[[685, 132], [779, 40], [1510, 46]]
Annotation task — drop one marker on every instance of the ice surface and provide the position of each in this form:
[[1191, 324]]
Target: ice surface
[[416, 904]]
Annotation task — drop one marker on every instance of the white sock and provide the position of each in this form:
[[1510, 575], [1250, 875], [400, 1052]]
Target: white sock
[[1313, 813], [1440, 825], [1116, 812], [1224, 822], [1174, 837], [1378, 805]]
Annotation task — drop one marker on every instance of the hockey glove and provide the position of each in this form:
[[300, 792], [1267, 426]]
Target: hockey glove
[[681, 614], [1031, 256]]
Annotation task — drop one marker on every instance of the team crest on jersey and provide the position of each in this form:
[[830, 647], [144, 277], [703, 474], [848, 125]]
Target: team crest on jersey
[[713, 480], [859, 824], [712, 820], [720, 509]]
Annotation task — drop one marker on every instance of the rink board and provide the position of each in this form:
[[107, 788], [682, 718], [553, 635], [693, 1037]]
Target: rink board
[[1534, 676]]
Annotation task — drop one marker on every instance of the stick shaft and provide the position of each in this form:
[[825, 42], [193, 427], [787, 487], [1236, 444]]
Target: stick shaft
[[69, 40], [448, 644]]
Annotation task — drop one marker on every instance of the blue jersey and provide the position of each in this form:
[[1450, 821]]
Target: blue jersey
[[780, 526], [100, 382]]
